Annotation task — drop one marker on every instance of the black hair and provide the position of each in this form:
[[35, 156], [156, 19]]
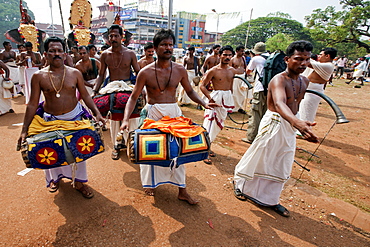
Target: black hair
[[301, 45], [314, 57], [104, 47], [163, 34], [28, 44], [239, 47], [148, 45], [215, 47], [5, 43], [52, 39], [20, 45], [83, 46], [226, 48], [332, 52], [115, 26], [191, 48], [90, 46]]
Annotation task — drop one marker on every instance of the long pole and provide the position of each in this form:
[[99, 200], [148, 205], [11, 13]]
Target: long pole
[[170, 7], [218, 19], [51, 13], [249, 26], [61, 16]]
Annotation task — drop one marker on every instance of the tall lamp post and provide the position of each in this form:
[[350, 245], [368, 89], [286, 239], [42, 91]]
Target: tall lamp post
[[218, 20]]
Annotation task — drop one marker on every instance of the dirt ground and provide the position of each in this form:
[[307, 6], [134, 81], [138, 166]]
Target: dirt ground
[[121, 214]]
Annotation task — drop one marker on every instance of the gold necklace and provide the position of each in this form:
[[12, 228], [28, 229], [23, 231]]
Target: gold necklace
[[52, 83]]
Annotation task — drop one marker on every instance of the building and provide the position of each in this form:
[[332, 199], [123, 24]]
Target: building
[[51, 29], [190, 29]]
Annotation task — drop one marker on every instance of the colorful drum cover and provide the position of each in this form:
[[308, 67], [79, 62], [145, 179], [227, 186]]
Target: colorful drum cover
[[113, 105], [44, 151], [154, 147]]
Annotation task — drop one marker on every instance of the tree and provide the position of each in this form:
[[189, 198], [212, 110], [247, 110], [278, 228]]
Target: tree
[[10, 16], [263, 28], [350, 25], [280, 14], [279, 41]]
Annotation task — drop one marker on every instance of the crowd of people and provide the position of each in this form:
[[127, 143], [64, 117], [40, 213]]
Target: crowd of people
[[274, 120]]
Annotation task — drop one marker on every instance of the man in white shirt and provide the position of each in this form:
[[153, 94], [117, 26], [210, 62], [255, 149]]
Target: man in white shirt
[[341, 63], [259, 106], [360, 68]]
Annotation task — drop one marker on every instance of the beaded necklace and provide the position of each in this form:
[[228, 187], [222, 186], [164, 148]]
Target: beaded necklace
[[156, 77], [293, 86]]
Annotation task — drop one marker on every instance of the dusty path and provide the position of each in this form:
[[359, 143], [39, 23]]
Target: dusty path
[[121, 214]]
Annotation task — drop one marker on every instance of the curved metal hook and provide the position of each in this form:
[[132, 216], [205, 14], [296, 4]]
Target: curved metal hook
[[243, 79], [338, 113]]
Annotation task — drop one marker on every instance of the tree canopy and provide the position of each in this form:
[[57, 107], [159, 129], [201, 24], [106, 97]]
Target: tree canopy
[[263, 28], [350, 25], [279, 41], [10, 16]]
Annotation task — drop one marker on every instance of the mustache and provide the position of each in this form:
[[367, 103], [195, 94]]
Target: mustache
[[227, 60], [114, 42], [169, 52], [55, 57]]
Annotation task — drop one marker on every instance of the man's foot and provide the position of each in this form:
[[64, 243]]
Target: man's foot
[[212, 154], [242, 111], [84, 190], [115, 154], [208, 161], [184, 196], [150, 191], [53, 187], [238, 194], [281, 210], [11, 111], [247, 141]]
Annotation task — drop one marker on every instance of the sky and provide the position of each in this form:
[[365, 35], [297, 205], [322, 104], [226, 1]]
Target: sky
[[298, 9]]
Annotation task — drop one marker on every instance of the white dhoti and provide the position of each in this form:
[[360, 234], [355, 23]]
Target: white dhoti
[[55, 174], [14, 72], [183, 98], [214, 119], [358, 73], [27, 86], [310, 103], [22, 78], [240, 91], [152, 176], [90, 89], [5, 98], [267, 164]]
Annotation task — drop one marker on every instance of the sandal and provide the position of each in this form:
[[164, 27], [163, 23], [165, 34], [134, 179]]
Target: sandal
[[238, 194], [212, 154], [207, 161], [281, 210], [85, 191], [115, 154], [53, 187]]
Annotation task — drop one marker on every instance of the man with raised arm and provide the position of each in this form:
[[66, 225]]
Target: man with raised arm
[[240, 88], [265, 167], [58, 83], [119, 60], [161, 80]]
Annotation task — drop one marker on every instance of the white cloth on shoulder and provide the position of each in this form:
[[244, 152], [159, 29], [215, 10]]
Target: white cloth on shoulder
[[183, 97], [214, 119], [153, 176], [324, 70], [267, 164], [310, 103]]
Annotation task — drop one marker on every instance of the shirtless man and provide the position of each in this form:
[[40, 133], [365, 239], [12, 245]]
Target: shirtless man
[[21, 69], [32, 60], [213, 59], [222, 78], [119, 60], [161, 87], [9, 57], [265, 167], [89, 67], [58, 84], [75, 56], [148, 58], [318, 73], [240, 89], [191, 64]]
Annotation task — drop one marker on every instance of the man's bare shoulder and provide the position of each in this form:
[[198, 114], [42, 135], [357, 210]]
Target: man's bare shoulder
[[178, 66]]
